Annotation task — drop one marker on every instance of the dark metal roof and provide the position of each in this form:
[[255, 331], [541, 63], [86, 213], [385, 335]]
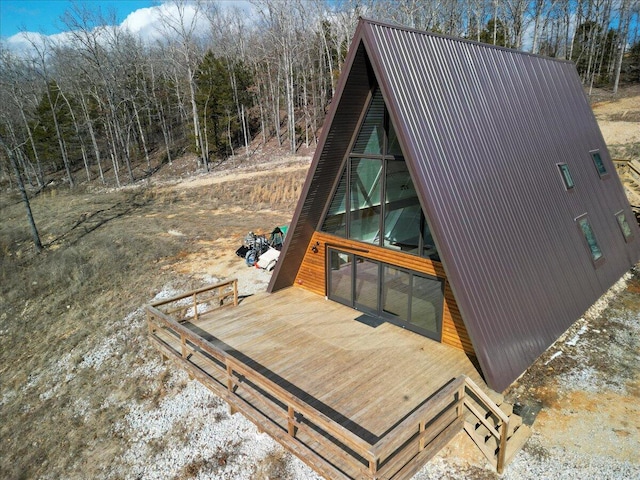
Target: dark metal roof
[[482, 129]]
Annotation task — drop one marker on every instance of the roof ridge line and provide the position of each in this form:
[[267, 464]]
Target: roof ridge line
[[460, 39]]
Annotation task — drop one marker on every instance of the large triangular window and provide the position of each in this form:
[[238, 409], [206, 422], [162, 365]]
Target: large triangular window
[[375, 200]]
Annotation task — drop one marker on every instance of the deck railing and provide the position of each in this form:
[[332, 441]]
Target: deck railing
[[474, 396], [326, 445], [186, 306]]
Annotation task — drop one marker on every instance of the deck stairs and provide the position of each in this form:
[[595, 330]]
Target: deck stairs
[[478, 425]]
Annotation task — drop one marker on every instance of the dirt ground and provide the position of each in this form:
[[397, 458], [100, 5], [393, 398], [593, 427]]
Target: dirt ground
[[619, 121], [83, 395]]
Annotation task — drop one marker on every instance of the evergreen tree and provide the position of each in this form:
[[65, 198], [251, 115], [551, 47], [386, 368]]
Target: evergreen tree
[[44, 131], [218, 102], [495, 27]]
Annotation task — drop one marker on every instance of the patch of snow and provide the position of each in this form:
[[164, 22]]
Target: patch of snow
[[52, 375], [82, 407], [149, 369], [210, 279], [437, 469], [629, 320], [136, 315], [576, 337], [535, 461], [298, 470], [588, 379], [559, 463], [164, 294], [553, 357], [49, 393]]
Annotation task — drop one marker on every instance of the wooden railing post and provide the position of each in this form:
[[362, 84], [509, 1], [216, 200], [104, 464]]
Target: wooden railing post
[[195, 306], [235, 292], [461, 395], [229, 378], [183, 345], [503, 447], [232, 409], [291, 426]]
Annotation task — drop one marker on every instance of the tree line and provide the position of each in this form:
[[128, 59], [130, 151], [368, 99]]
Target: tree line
[[105, 106]]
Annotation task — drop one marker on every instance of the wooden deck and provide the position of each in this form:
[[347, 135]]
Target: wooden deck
[[354, 398]]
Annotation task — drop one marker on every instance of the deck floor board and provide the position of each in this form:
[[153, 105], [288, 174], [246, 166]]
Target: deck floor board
[[373, 376]]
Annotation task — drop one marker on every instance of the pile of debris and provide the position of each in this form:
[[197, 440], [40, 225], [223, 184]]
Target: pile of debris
[[263, 252]]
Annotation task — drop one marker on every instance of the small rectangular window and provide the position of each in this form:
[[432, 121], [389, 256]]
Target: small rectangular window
[[589, 236], [624, 226], [566, 175], [597, 161]]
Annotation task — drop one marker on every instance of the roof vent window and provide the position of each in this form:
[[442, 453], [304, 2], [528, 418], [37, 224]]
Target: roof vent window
[[597, 161], [589, 236], [566, 176], [624, 226]]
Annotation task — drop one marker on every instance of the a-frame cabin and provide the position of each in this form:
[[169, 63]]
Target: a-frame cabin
[[462, 191], [459, 190]]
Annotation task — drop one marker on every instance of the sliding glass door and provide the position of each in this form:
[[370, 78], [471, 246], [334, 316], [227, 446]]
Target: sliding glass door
[[341, 277], [404, 297], [366, 281]]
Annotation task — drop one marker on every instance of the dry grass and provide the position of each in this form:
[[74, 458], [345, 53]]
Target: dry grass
[[107, 254], [282, 190], [264, 191]]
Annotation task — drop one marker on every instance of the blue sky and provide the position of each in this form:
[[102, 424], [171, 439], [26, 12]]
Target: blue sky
[[44, 15]]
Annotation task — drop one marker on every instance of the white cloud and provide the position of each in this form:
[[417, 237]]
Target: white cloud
[[18, 44], [23, 43], [143, 22], [146, 23]]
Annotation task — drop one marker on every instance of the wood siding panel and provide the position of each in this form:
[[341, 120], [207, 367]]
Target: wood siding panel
[[312, 277], [454, 332]]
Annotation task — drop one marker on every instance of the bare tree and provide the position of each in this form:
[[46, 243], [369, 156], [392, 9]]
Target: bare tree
[[16, 80], [42, 49], [622, 38], [23, 193], [180, 20], [109, 98]]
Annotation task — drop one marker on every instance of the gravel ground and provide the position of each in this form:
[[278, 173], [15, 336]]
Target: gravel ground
[[189, 433]]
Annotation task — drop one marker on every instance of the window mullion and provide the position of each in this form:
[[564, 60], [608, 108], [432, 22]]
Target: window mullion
[[383, 208], [347, 201], [383, 190], [421, 236]]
